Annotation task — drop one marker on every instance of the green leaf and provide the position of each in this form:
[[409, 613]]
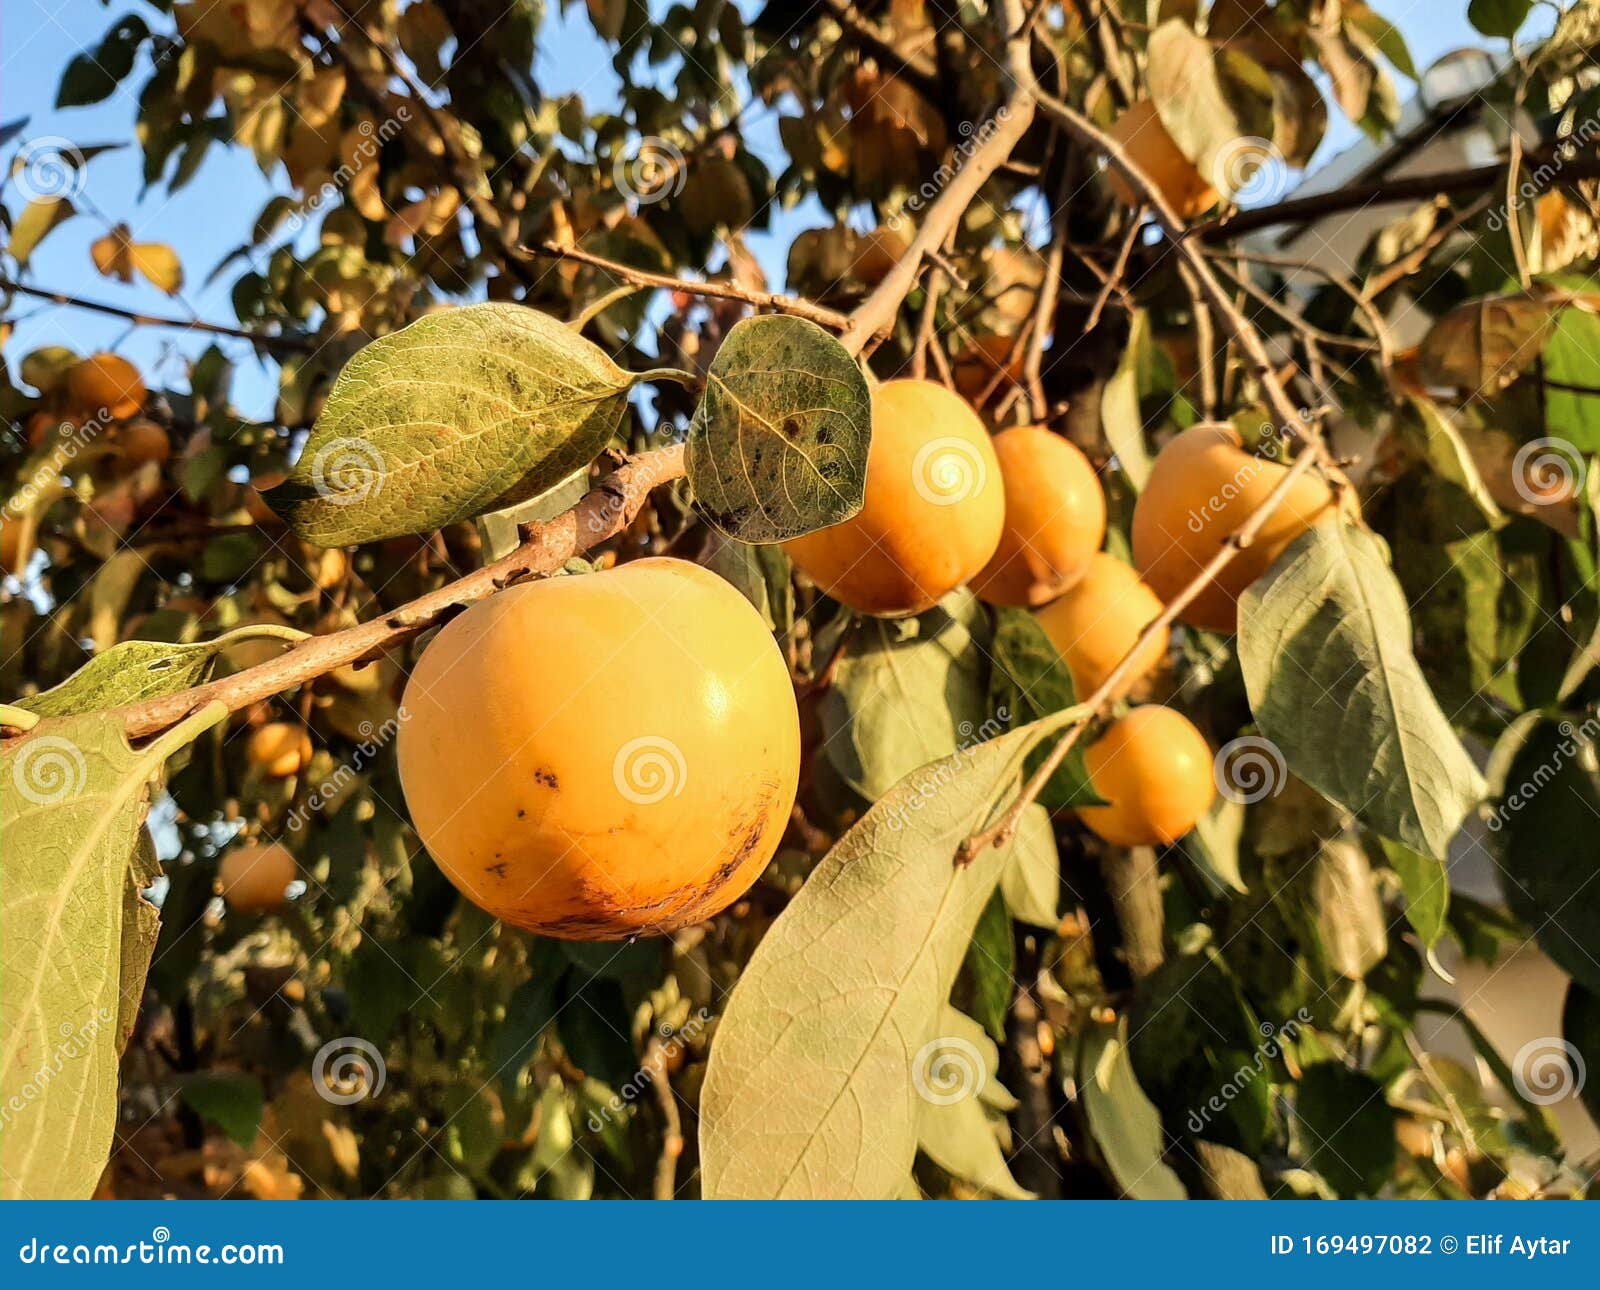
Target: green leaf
[[136, 670], [1186, 81], [1031, 880], [1325, 646], [815, 1072], [778, 446], [1499, 17], [1125, 1123], [72, 799], [1426, 884], [906, 692], [462, 412], [1580, 1026], [990, 965], [960, 1129], [1447, 453], [1349, 917], [531, 1008], [1573, 358], [1345, 1128], [229, 1099], [38, 218], [1120, 417], [1030, 681], [85, 81], [1229, 1174], [1545, 824]]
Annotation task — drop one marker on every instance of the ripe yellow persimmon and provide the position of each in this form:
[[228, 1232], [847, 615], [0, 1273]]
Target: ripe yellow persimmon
[[571, 804], [1055, 519], [933, 511], [279, 749], [1144, 140], [1099, 619], [142, 440], [1154, 770], [255, 877], [109, 383], [1202, 488]]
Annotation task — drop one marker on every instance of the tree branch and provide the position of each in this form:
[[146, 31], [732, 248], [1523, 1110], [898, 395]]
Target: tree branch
[[1388, 192], [819, 314], [599, 515], [298, 344]]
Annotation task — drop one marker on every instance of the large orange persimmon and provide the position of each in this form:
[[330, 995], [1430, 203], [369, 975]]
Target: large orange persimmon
[[570, 803], [933, 511], [1202, 488], [1055, 519], [1098, 621], [253, 878], [1154, 770]]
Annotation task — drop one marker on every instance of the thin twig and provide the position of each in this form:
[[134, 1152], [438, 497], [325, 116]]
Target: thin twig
[[296, 343]]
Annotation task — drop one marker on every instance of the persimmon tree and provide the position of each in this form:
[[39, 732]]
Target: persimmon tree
[[1138, 894]]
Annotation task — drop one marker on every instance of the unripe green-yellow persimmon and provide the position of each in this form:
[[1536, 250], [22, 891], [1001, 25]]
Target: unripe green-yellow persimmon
[[253, 878], [1154, 770], [1055, 519], [572, 804], [1201, 490], [1098, 621], [933, 510]]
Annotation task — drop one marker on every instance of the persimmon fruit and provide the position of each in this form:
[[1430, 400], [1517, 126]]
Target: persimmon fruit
[[568, 804], [253, 878], [1055, 519], [1098, 621], [108, 382], [143, 440], [1153, 768], [933, 511], [1202, 488], [279, 749]]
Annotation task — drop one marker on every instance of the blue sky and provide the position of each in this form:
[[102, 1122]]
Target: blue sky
[[211, 217]]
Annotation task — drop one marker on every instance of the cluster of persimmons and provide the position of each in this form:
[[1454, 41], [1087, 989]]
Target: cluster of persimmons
[[565, 805]]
